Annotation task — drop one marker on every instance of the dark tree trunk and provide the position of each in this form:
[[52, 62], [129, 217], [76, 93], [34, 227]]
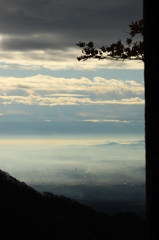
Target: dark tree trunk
[[151, 42]]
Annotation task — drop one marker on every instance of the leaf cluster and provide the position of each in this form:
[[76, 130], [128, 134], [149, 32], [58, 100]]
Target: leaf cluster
[[131, 50]]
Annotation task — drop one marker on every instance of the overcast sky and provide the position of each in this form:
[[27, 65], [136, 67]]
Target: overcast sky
[[41, 80]]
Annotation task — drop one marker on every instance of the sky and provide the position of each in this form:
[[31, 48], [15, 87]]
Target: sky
[[40, 77], [42, 82]]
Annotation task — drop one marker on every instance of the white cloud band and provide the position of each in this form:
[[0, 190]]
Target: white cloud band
[[50, 91]]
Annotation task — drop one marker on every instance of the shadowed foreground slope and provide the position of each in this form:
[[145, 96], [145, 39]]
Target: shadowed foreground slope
[[27, 214]]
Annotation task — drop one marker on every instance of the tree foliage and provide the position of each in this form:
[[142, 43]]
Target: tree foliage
[[131, 50]]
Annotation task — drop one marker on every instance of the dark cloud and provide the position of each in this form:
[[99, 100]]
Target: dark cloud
[[43, 24]]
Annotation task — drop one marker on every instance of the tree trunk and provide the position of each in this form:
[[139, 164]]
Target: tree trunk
[[151, 50]]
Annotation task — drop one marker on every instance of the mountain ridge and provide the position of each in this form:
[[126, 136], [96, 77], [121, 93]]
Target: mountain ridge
[[28, 214]]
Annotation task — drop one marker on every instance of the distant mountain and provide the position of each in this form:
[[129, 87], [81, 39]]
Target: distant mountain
[[28, 214], [132, 143]]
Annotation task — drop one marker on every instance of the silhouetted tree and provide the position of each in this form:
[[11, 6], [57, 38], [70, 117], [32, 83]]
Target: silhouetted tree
[[146, 50], [151, 117], [132, 50]]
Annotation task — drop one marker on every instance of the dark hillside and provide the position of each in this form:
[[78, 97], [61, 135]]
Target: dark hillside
[[27, 214]]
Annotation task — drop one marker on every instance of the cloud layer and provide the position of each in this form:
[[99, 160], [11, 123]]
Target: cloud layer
[[50, 91], [38, 38], [44, 32], [51, 24], [52, 98]]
